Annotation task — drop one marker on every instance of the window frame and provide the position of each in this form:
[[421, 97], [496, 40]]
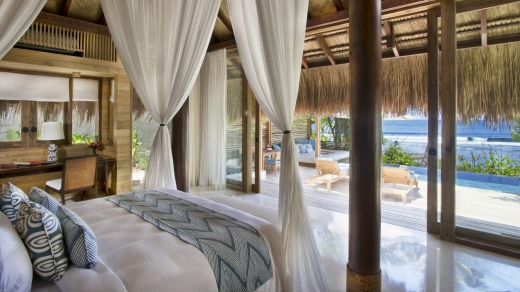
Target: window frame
[[29, 118]]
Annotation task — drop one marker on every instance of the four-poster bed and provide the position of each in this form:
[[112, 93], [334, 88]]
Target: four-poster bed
[[276, 87]]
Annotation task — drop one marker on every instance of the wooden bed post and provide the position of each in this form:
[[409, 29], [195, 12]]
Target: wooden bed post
[[433, 119], [365, 132], [448, 88], [180, 147]]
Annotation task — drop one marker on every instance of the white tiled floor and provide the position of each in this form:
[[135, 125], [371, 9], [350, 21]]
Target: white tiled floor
[[410, 260]]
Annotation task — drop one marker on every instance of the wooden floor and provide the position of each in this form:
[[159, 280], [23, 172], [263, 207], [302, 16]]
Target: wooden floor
[[490, 211]]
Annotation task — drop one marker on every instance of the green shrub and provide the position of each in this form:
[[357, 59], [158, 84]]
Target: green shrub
[[396, 154], [495, 163]]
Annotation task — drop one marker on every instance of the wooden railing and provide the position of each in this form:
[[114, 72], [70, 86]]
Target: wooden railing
[[88, 44]]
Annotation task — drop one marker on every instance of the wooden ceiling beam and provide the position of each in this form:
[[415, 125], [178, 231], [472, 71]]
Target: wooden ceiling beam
[[474, 5], [73, 23], [391, 9], [325, 47], [305, 63], [66, 8], [225, 21], [338, 5], [102, 19], [236, 63], [388, 29], [483, 27]]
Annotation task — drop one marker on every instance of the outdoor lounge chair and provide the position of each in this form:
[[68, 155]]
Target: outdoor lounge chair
[[401, 176], [329, 171]]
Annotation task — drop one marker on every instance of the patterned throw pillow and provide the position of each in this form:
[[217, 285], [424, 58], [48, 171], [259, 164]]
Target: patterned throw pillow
[[41, 233], [79, 239], [10, 201], [41, 197]]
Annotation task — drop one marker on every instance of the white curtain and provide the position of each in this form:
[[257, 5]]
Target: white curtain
[[162, 45], [195, 134], [208, 123], [270, 38], [15, 18], [213, 82]]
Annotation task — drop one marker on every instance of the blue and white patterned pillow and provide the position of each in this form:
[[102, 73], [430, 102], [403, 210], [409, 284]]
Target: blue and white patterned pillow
[[41, 197], [10, 201], [40, 231], [79, 239]]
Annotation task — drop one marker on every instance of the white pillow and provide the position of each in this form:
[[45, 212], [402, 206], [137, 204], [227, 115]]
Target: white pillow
[[303, 148], [15, 265]]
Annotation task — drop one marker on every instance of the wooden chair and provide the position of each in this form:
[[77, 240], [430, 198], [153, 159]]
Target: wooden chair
[[79, 174], [272, 163], [329, 166], [400, 176], [329, 172]]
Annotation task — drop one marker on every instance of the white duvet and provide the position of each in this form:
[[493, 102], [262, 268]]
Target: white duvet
[[137, 256]]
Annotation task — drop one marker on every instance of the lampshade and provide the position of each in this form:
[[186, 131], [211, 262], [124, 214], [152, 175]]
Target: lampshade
[[52, 131]]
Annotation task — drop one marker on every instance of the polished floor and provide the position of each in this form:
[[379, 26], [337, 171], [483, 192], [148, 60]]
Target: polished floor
[[411, 260]]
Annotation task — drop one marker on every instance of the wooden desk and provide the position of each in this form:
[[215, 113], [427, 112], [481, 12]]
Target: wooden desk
[[6, 173]]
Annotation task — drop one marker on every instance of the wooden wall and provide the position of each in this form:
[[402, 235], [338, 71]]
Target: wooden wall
[[116, 122]]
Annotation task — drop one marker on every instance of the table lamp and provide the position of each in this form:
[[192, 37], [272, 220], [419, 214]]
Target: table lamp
[[52, 131]]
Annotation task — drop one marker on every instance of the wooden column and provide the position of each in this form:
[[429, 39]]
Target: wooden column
[[317, 139], [448, 88], [365, 132], [258, 147], [268, 133], [180, 147], [433, 119], [247, 145]]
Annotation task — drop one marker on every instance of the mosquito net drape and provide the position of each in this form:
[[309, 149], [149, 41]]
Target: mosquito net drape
[[208, 123], [162, 45], [15, 18], [270, 36]]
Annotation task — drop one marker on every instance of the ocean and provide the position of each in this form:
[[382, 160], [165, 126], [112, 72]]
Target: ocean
[[419, 127], [472, 140]]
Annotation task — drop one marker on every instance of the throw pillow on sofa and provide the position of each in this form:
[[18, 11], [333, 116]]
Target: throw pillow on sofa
[[10, 201], [40, 231], [41, 197], [79, 239]]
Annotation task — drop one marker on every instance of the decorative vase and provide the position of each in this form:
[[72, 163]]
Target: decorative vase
[[93, 151]]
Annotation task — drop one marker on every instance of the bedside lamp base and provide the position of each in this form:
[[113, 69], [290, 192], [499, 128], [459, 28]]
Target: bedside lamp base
[[52, 154]]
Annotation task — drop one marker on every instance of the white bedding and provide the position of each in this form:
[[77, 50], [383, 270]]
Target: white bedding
[[145, 258]]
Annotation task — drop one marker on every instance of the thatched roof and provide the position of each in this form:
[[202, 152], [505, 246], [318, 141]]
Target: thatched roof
[[404, 21], [491, 90]]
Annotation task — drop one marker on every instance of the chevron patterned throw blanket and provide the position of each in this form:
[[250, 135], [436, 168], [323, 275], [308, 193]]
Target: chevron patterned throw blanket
[[236, 251]]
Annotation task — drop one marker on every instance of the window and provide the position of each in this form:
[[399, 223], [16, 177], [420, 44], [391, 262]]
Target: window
[[26, 101], [10, 120]]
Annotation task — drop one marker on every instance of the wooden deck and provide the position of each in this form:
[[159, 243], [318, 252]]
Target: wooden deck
[[489, 211]]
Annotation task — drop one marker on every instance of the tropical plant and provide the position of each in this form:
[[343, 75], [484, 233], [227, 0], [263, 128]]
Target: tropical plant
[[12, 135], [396, 154], [494, 163], [85, 138], [335, 130], [135, 142], [515, 128]]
